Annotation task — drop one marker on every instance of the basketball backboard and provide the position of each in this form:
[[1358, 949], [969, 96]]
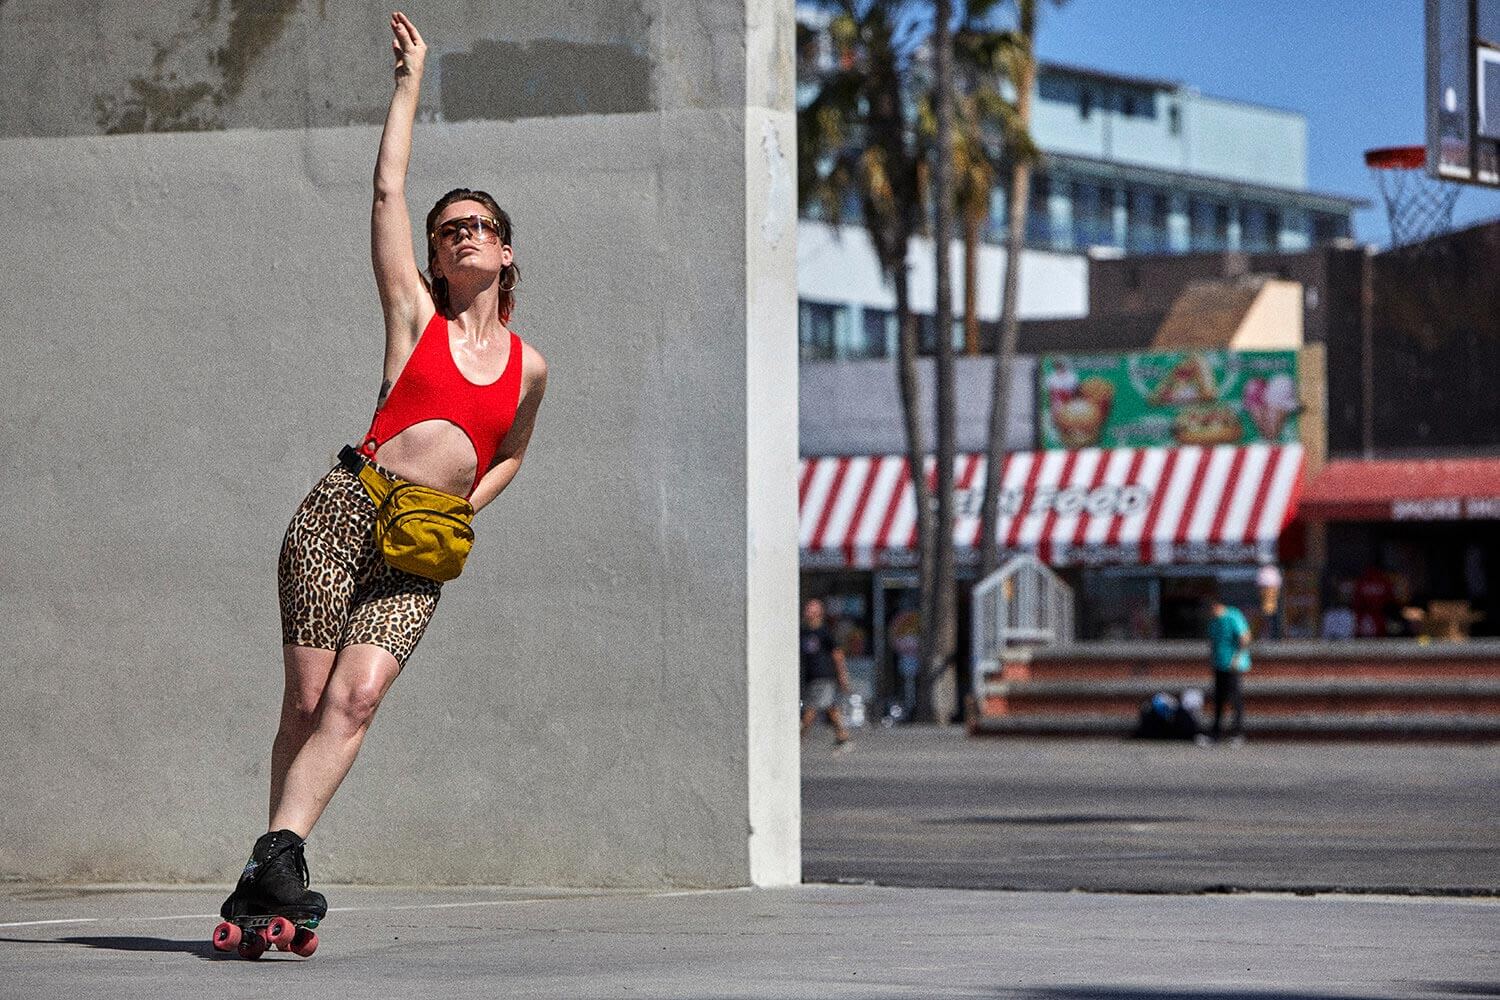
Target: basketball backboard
[[1463, 90]]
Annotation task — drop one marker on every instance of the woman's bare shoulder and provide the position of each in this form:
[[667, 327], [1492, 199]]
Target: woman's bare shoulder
[[533, 367]]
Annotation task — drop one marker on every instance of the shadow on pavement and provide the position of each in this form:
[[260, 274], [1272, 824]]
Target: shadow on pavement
[[1058, 819], [203, 949], [1153, 993]]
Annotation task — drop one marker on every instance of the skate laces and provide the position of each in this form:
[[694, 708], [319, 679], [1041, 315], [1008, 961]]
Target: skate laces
[[300, 857], [291, 855]]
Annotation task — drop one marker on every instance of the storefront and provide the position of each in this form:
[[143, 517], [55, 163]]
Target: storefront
[[1413, 546], [1142, 534]]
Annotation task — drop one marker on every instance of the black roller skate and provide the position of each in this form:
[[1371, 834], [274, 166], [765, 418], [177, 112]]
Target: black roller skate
[[272, 904]]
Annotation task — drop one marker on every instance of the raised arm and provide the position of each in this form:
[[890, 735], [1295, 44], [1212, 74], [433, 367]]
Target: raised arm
[[403, 297]]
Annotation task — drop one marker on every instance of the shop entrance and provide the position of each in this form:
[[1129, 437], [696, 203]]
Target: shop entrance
[[1132, 603], [896, 631], [1416, 563]]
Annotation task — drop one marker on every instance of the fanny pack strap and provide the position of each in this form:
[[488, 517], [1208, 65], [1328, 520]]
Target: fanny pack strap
[[376, 485], [352, 460]]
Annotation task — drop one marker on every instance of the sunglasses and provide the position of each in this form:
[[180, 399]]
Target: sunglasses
[[482, 228]]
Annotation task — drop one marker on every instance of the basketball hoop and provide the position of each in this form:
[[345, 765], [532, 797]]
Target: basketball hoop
[[1418, 205]]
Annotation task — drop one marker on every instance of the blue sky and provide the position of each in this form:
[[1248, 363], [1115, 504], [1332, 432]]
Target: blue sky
[[1353, 67]]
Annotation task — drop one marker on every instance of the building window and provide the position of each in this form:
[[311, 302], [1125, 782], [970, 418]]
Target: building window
[[1253, 230], [1039, 214], [927, 333], [1208, 225], [881, 333], [1085, 102], [1327, 227], [1146, 231], [817, 330], [1093, 216], [1222, 215], [1174, 119]]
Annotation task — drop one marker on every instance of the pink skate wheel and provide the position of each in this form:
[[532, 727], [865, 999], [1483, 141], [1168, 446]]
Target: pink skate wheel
[[252, 945], [305, 943], [226, 936], [280, 932]]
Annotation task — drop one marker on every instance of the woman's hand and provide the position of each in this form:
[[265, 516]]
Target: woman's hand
[[407, 45]]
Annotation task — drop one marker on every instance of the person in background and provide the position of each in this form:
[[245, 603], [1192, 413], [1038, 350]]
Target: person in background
[[1268, 583], [1373, 595], [1338, 617], [824, 675], [1229, 654]]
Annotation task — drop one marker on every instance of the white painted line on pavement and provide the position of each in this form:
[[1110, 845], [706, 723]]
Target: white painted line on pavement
[[381, 909]]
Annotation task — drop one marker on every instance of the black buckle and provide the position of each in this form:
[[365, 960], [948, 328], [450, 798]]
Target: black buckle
[[351, 459]]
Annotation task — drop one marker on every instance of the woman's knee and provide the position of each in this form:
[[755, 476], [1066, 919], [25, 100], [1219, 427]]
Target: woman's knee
[[360, 682], [352, 706]]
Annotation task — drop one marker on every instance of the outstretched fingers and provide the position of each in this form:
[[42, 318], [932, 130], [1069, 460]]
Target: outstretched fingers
[[407, 28], [407, 46]]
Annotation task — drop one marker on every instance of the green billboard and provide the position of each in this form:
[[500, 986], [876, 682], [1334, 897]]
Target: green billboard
[[1167, 398]]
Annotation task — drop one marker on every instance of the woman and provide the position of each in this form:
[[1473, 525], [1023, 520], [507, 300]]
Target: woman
[[455, 413]]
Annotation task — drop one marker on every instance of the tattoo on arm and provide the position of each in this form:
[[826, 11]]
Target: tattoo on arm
[[385, 390]]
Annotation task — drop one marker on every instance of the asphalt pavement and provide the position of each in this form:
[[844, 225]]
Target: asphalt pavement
[[940, 820], [806, 943], [920, 806]]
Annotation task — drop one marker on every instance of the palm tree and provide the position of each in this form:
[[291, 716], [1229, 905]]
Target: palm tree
[[857, 141], [973, 179], [943, 641], [1008, 55], [989, 134]]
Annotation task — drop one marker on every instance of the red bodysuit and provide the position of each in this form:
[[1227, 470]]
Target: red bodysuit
[[431, 387]]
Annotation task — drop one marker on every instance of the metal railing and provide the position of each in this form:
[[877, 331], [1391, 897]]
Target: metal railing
[[1023, 603]]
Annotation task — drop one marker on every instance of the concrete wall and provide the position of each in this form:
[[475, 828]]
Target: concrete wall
[[190, 329], [1274, 320], [838, 265], [1214, 136], [854, 407]]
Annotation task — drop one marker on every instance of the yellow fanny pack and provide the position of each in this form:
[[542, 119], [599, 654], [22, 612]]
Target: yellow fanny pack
[[419, 529]]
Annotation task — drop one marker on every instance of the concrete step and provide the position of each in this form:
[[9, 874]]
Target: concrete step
[[1263, 696], [1182, 661], [1338, 726], [1179, 670]]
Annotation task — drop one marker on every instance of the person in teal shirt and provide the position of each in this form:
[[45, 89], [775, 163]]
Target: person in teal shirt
[[1229, 653]]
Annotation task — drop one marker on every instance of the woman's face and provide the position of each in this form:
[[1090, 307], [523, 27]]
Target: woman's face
[[467, 238]]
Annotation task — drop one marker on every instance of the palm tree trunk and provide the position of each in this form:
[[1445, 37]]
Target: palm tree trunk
[[1005, 355], [973, 233], [916, 444], [941, 646]]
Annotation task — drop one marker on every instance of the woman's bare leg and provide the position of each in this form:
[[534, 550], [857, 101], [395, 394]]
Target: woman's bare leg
[[361, 676], [307, 672]]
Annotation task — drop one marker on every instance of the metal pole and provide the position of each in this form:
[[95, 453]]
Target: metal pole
[[1367, 353]]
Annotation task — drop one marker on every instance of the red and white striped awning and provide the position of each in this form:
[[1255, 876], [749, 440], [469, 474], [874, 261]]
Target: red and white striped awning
[[1078, 507]]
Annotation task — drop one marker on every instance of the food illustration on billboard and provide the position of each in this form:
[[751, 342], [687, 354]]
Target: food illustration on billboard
[[1168, 398]]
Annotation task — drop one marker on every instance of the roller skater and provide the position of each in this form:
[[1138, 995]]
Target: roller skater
[[367, 552]]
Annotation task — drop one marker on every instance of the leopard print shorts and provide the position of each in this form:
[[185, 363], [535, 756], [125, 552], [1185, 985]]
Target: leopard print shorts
[[336, 588]]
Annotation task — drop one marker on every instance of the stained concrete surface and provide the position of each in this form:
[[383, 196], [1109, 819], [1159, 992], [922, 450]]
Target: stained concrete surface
[[806, 942], [925, 807]]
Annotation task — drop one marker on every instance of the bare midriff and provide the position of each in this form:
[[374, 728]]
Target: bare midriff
[[435, 453]]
